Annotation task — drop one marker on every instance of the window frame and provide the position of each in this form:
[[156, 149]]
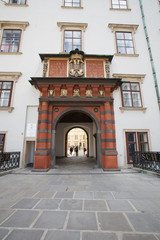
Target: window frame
[[11, 45], [119, 4], [137, 142], [72, 39], [132, 78], [125, 42], [72, 27], [9, 90], [3, 146], [12, 25], [131, 94], [124, 28], [72, 3], [10, 77]]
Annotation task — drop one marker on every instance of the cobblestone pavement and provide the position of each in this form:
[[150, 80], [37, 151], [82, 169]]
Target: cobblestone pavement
[[99, 206]]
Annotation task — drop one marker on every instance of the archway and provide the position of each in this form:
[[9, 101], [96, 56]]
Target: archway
[[76, 136], [71, 118]]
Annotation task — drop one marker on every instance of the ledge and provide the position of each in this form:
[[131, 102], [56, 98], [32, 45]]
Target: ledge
[[126, 55], [16, 5], [132, 109], [64, 25], [14, 24], [10, 53], [72, 7], [121, 9], [9, 109]]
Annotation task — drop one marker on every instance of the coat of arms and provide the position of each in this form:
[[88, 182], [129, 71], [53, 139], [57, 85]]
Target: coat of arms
[[76, 63]]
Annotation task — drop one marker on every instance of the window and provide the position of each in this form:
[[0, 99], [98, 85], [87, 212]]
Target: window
[[72, 3], [124, 39], [10, 40], [17, 1], [131, 96], [5, 93], [72, 35], [2, 139], [124, 43], [72, 40], [136, 141], [121, 4], [7, 87]]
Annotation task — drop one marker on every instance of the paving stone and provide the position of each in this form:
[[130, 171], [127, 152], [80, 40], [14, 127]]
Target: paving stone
[[3, 232], [4, 214], [27, 203], [95, 205], [143, 222], [98, 236], [119, 205], [21, 219], [25, 235], [113, 222], [82, 221], [134, 236], [103, 195], [84, 195], [152, 206], [48, 204], [71, 204], [44, 194], [51, 220], [61, 235], [64, 195]]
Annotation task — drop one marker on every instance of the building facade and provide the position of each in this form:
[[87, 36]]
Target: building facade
[[79, 64]]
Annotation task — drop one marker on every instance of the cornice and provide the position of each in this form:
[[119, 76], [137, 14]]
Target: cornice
[[63, 25], [14, 24], [117, 26]]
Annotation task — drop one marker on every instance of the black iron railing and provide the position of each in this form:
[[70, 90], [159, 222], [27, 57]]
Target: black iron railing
[[147, 160], [9, 160]]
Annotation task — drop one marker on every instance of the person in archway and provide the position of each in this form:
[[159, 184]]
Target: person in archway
[[76, 150], [84, 150], [71, 150]]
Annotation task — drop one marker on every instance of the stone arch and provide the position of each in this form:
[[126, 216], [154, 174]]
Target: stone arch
[[98, 133]]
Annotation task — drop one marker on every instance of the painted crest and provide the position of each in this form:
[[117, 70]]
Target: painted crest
[[76, 63]]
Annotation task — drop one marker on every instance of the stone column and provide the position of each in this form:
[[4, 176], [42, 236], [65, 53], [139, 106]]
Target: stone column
[[42, 153], [109, 153]]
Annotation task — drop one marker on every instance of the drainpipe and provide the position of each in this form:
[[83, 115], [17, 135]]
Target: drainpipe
[[150, 54]]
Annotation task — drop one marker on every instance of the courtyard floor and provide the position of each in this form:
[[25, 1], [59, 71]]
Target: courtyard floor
[[79, 205]]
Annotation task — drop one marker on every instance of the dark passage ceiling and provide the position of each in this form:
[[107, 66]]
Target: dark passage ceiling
[[75, 117]]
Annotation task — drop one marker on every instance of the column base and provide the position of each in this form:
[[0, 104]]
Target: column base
[[42, 160], [109, 160]]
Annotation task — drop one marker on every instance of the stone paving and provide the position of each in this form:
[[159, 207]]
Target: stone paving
[[93, 206]]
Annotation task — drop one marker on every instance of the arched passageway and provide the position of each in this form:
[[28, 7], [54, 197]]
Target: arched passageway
[[65, 122]]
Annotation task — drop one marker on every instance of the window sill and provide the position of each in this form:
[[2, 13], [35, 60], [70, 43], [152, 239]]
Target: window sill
[[16, 5], [10, 53], [132, 109], [9, 109], [126, 55], [121, 9], [72, 7]]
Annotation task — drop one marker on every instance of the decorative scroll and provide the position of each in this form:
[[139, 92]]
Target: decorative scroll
[[147, 160], [9, 160], [45, 68], [107, 68], [76, 64]]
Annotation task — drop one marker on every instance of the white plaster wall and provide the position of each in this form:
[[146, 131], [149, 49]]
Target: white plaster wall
[[44, 36]]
